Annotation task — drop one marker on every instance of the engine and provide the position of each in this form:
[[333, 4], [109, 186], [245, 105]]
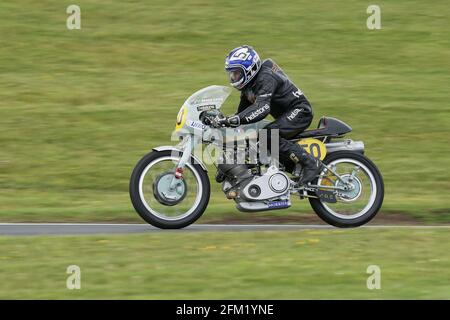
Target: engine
[[254, 192]]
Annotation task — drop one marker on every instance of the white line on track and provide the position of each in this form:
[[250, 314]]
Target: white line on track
[[61, 229], [217, 225]]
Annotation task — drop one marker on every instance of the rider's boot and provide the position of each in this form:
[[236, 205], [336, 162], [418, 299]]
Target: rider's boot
[[311, 166]]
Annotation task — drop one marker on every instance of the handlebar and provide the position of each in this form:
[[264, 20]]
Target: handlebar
[[207, 116]]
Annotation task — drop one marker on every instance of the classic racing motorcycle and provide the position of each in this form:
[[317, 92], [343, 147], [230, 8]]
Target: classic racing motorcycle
[[170, 188]]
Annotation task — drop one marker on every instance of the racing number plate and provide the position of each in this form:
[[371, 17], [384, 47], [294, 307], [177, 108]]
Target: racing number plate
[[314, 146]]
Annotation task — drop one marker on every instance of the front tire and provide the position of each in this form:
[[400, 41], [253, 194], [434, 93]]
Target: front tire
[[152, 209], [338, 218]]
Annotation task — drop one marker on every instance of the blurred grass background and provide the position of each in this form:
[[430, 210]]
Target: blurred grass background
[[316, 264], [78, 108]]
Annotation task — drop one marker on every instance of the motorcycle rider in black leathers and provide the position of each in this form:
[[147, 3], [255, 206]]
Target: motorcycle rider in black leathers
[[265, 89]]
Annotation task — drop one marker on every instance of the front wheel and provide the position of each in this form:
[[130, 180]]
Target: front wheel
[[161, 199], [359, 204]]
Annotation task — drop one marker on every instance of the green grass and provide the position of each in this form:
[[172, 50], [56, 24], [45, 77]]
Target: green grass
[[317, 264], [79, 108]]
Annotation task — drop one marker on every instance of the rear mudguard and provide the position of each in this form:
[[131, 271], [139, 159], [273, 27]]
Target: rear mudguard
[[345, 145]]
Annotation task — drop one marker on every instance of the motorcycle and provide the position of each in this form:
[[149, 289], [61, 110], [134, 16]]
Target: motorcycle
[[170, 189]]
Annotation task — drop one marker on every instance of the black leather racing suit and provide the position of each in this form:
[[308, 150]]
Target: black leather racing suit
[[271, 92]]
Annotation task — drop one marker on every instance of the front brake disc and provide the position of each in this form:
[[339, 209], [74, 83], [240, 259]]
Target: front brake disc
[[166, 195]]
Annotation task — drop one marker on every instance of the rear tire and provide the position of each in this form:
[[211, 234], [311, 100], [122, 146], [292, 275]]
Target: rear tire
[[151, 218], [334, 220]]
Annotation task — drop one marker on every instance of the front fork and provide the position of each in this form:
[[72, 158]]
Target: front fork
[[187, 146]]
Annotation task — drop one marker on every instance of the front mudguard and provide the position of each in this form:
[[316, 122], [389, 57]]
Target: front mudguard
[[193, 158]]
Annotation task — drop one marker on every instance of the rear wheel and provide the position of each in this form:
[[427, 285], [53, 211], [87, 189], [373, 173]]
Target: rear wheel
[[161, 199], [358, 205]]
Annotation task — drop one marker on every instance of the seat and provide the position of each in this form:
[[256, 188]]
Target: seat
[[327, 127]]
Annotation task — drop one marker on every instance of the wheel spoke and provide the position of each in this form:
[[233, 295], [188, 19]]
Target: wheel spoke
[[165, 198]]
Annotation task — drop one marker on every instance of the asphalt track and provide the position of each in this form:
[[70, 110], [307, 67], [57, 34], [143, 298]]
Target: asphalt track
[[30, 229]]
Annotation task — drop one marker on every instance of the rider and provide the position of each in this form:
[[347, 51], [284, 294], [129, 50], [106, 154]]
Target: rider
[[265, 89]]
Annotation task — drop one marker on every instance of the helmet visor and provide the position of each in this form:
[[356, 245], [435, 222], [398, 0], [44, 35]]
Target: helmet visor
[[236, 75]]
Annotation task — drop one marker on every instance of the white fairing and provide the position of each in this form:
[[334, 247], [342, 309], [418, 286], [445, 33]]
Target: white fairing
[[212, 95], [208, 98]]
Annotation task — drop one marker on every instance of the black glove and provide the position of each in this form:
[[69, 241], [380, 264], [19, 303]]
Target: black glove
[[220, 121]]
